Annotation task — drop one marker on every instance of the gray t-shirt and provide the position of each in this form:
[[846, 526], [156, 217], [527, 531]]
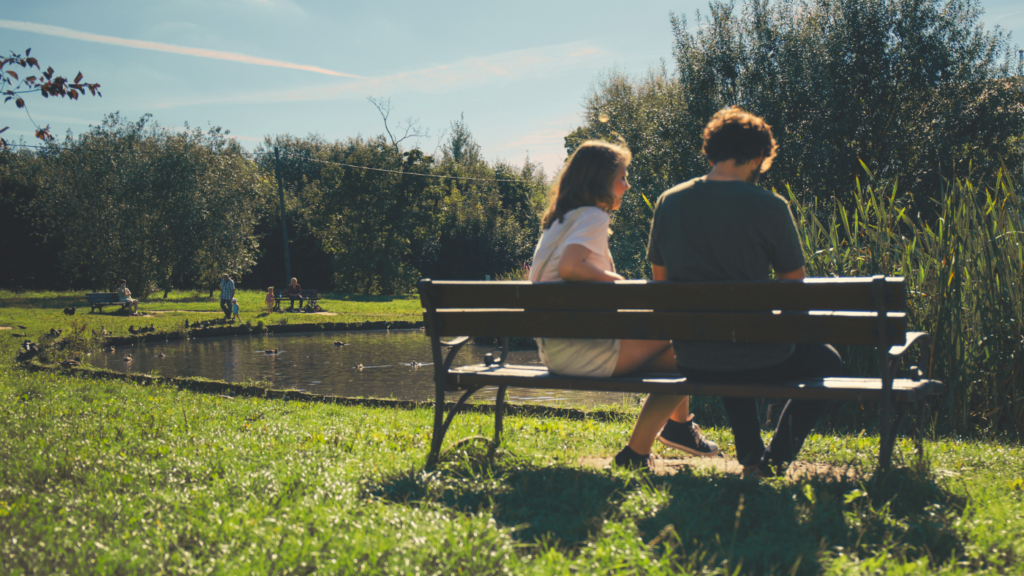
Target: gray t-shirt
[[714, 231]]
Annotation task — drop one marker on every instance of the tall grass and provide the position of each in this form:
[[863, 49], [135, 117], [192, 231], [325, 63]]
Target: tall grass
[[964, 265]]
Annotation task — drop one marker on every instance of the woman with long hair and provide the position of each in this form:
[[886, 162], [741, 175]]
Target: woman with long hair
[[574, 248]]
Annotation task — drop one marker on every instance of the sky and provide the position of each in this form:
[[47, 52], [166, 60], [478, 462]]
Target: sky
[[516, 72]]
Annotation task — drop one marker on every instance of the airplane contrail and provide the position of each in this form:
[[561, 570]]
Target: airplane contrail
[[161, 47]]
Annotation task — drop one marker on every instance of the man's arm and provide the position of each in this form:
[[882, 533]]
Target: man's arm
[[573, 266], [797, 274], [659, 273]]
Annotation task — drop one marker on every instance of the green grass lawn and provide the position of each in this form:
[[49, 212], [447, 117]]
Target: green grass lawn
[[40, 311], [103, 476]]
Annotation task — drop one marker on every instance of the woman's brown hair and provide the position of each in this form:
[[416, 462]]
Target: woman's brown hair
[[586, 179]]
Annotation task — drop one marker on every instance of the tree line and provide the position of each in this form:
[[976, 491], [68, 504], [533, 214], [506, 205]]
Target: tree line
[[167, 208], [917, 92]]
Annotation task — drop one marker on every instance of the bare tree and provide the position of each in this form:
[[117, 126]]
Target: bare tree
[[411, 129]]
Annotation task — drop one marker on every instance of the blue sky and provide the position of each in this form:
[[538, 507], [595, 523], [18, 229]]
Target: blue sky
[[517, 71]]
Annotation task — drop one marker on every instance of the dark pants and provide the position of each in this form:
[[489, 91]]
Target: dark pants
[[292, 300], [798, 417], [225, 306]]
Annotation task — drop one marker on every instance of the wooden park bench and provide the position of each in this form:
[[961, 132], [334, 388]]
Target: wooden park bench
[[101, 299], [855, 311], [309, 296]]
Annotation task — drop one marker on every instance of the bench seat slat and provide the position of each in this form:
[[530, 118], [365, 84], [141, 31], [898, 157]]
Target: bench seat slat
[[835, 328], [809, 294], [535, 376]]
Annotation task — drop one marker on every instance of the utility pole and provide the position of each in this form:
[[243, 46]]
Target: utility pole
[[284, 223]]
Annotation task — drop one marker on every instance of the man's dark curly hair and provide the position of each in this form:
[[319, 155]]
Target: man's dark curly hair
[[735, 133]]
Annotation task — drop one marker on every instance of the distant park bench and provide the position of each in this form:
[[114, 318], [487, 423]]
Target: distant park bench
[[855, 311], [101, 299], [309, 296]]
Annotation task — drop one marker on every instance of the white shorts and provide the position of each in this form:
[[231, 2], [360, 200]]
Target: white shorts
[[579, 356]]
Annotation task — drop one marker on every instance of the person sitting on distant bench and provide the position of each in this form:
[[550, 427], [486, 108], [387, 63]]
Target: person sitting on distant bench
[[294, 293], [125, 295]]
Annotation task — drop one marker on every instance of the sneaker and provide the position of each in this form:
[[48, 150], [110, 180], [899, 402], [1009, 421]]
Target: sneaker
[[688, 438], [627, 458]]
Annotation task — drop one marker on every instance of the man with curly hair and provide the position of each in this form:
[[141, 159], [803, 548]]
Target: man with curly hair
[[722, 227]]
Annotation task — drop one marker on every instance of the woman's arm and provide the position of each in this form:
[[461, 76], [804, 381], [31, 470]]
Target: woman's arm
[[573, 267]]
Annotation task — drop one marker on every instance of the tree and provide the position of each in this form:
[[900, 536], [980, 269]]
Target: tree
[[915, 89], [371, 219], [46, 83], [151, 205]]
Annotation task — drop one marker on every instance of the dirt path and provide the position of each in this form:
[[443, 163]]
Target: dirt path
[[672, 466]]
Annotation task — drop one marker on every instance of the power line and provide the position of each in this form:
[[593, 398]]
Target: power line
[[441, 176]]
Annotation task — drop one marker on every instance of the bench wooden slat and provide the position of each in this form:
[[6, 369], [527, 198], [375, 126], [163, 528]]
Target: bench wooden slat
[[854, 294], [535, 376], [834, 328]]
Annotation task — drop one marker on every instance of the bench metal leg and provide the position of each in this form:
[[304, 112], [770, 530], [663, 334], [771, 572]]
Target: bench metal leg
[[441, 428], [499, 415], [919, 431], [888, 439]]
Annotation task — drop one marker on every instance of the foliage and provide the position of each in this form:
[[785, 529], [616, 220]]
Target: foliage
[[917, 89], [407, 215], [489, 223], [151, 205], [46, 83], [965, 276]]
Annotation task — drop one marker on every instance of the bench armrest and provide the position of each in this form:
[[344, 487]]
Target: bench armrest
[[453, 348], [925, 340]]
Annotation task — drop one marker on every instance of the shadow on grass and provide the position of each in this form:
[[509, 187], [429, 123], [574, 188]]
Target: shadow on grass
[[768, 526]]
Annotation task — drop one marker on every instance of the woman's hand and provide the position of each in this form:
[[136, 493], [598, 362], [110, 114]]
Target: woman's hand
[[574, 267]]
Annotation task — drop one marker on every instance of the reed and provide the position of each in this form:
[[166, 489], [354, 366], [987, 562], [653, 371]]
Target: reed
[[963, 262]]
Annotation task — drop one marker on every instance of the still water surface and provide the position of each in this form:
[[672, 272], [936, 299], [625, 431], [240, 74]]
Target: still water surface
[[312, 363]]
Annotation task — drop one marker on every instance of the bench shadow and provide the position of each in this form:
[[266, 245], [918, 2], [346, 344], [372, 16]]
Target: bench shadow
[[703, 518]]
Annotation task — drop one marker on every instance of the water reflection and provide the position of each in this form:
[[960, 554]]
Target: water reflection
[[396, 364]]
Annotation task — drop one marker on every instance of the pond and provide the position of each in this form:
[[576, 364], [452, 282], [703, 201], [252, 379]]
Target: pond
[[312, 363]]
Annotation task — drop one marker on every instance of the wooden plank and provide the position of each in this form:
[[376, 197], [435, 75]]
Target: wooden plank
[[832, 328], [538, 377], [795, 295]]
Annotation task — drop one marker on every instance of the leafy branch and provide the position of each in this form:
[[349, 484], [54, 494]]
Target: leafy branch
[[12, 85]]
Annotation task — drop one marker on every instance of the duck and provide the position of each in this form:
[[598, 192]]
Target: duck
[[359, 367], [132, 330], [161, 355], [274, 351], [71, 363], [70, 311], [339, 344], [416, 364], [103, 330], [55, 333], [186, 323], [127, 357], [111, 349]]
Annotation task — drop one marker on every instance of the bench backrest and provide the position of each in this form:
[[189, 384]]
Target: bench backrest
[[101, 296], [306, 293], [820, 310]]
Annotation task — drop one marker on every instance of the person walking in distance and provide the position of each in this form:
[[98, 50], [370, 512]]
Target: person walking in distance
[[227, 292]]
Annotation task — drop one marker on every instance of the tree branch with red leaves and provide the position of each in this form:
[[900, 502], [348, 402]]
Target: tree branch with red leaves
[[45, 82]]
